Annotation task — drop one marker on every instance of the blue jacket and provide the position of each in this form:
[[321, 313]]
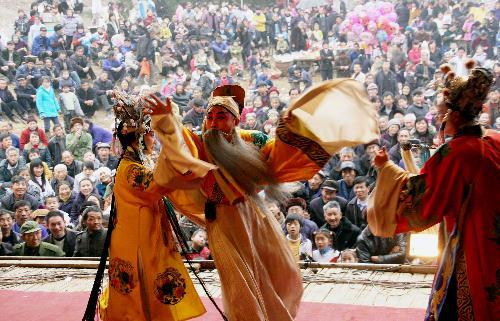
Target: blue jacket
[[108, 64], [40, 44], [345, 191], [46, 102], [99, 134]]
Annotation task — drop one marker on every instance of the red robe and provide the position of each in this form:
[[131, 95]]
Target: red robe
[[459, 185]]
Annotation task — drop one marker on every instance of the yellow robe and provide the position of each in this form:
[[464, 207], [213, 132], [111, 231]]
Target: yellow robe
[[259, 277], [147, 278]]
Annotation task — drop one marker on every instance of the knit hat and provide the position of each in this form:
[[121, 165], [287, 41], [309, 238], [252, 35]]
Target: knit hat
[[75, 120], [394, 121]]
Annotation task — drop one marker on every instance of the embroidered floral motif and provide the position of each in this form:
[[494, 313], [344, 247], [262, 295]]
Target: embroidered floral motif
[[170, 286], [121, 275], [139, 177], [464, 302], [259, 139], [493, 291]]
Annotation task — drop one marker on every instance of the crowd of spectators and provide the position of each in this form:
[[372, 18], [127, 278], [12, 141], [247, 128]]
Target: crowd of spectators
[[55, 181]]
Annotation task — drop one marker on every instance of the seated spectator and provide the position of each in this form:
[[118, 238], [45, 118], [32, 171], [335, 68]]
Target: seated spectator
[[196, 115], [300, 245], [6, 225], [10, 167], [31, 233], [37, 176], [349, 172], [86, 188], [198, 249], [89, 156], [87, 173], [38, 216], [104, 89], [66, 81], [51, 203], [73, 165], [9, 104], [104, 179], [60, 176], [382, 250], [19, 186], [66, 198], [98, 133], [419, 107], [324, 252], [32, 127], [345, 233], [32, 188], [60, 235], [115, 68], [5, 248], [298, 77], [34, 146], [328, 193], [57, 145], [90, 243], [356, 208], [409, 121], [30, 71], [299, 207], [6, 128], [5, 142], [35, 154], [395, 151], [78, 142], [348, 256], [87, 96]]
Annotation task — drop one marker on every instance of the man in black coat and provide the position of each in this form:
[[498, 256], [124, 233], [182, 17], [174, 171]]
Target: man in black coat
[[57, 144], [385, 79], [74, 166], [91, 241], [328, 193], [345, 233], [104, 88], [26, 94], [60, 236], [87, 97], [383, 250], [326, 62], [356, 207]]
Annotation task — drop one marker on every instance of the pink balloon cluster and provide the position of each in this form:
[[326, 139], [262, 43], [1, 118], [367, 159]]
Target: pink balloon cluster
[[371, 23]]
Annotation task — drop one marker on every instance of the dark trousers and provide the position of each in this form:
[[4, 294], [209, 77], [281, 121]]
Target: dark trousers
[[89, 110], [28, 104], [326, 74], [67, 119], [8, 108]]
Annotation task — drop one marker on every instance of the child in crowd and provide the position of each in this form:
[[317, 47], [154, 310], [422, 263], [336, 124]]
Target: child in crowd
[[32, 127], [300, 245], [70, 106], [324, 252], [348, 256], [198, 249]]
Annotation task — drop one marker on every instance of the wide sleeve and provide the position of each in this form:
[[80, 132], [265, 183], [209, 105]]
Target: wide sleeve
[[403, 202]]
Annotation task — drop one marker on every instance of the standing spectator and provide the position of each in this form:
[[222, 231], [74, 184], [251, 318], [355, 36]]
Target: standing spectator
[[326, 62], [47, 105], [328, 193], [385, 79], [419, 108], [300, 246], [31, 233], [298, 37], [91, 242], [70, 106], [60, 235], [345, 233], [343, 65], [78, 142], [57, 144], [381, 250], [424, 71], [355, 210], [349, 172], [458, 63], [69, 23]]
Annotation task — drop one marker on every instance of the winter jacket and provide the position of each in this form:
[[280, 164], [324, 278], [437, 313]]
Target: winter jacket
[[316, 209], [46, 102], [370, 245], [90, 245], [346, 234], [99, 134], [25, 137], [69, 242], [78, 146], [40, 44], [354, 214]]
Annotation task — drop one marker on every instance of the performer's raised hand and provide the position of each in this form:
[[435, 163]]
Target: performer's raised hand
[[381, 157], [155, 106]]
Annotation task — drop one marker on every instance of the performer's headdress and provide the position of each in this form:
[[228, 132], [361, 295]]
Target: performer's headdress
[[130, 119], [231, 97], [466, 94]]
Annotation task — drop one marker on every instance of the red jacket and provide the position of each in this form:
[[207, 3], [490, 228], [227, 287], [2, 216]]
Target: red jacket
[[25, 137]]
